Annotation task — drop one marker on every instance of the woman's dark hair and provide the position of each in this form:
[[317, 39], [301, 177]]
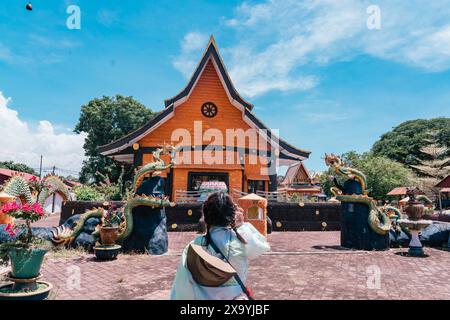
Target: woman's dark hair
[[219, 210]]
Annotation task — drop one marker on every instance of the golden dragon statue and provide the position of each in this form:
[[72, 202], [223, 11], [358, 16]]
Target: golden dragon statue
[[379, 220], [20, 187], [65, 236]]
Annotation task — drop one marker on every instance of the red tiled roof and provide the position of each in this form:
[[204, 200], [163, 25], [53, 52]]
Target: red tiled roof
[[399, 191], [10, 173], [445, 183]]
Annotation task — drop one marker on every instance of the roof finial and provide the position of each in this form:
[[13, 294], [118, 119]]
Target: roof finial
[[212, 40]]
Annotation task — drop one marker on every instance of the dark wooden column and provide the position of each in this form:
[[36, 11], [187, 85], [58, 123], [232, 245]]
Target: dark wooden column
[[137, 157]]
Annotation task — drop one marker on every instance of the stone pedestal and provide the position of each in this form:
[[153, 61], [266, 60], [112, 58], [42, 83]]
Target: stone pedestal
[[415, 246], [355, 230], [149, 225]]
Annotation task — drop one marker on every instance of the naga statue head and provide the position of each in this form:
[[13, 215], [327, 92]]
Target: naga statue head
[[332, 160], [168, 148]]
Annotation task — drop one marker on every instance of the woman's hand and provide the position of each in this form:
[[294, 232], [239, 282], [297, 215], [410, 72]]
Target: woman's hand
[[239, 217]]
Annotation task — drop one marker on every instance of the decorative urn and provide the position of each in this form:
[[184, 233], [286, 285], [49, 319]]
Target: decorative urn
[[414, 209], [109, 235]]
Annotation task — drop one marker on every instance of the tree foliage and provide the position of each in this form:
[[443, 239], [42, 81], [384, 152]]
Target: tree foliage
[[405, 142], [17, 167], [104, 120], [382, 173]]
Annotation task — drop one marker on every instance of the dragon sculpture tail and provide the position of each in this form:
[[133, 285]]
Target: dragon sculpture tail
[[18, 186], [52, 185], [64, 235], [378, 220], [149, 201]]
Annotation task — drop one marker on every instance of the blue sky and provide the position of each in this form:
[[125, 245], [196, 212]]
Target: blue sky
[[311, 68]]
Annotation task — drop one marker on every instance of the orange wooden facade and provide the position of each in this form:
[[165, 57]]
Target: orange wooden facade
[[209, 83], [208, 88]]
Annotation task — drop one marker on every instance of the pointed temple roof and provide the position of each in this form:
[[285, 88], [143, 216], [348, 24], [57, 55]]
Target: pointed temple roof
[[213, 53], [121, 147], [293, 171]]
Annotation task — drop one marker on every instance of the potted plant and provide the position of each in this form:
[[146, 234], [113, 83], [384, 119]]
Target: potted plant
[[25, 251], [109, 230]]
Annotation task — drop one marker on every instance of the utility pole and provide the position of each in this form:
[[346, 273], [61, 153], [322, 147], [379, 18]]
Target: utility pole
[[54, 194], [40, 169]]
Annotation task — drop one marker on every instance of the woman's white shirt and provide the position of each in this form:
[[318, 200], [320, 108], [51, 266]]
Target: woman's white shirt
[[238, 253]]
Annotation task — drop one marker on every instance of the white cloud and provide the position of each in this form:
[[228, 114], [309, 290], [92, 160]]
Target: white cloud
[[281, 41], [191, 44], [193, 41], [22, 142]]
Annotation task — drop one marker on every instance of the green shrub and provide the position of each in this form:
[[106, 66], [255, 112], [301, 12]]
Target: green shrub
[[88, 193]]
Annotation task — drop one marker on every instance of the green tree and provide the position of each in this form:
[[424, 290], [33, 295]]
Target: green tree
[[17, 167], [405, 142], [382, 174], [104, 120]]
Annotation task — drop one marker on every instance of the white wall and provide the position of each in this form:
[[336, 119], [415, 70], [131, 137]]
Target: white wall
[[58, 203]]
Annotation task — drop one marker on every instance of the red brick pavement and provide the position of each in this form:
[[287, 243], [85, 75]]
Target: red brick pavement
[[301, 265]]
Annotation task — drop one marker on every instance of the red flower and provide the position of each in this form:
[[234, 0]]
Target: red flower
[[10, 207], [33, 179], [26, 208], [10, 229], [38, 209]]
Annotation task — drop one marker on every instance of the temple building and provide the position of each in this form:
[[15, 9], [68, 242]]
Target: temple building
[[218, 138], [299, 180]]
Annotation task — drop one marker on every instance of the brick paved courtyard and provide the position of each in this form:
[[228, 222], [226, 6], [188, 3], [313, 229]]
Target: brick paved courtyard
[[301, 265]]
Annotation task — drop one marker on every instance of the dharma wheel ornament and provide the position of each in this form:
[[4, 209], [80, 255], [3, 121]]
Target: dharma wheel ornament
[[209, 109]]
